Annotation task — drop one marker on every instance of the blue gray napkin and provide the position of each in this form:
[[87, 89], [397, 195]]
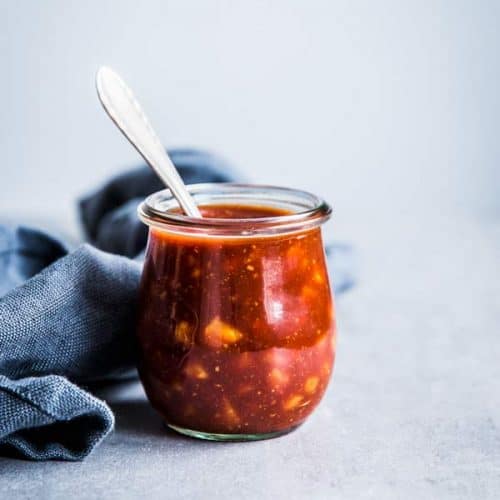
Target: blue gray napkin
[[66, 317]]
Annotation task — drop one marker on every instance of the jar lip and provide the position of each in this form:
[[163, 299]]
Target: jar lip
[[308, 210]]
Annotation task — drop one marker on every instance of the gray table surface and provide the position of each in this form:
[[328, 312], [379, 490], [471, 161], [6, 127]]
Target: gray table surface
[[413, 410]]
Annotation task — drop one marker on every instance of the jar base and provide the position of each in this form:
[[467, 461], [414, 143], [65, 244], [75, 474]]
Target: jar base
[[212, 436]]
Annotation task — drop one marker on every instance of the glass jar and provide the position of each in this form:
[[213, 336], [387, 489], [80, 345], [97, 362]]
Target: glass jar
[[236, 328]]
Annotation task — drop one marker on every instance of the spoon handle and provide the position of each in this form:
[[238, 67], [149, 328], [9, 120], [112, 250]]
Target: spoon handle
[[123, 108]]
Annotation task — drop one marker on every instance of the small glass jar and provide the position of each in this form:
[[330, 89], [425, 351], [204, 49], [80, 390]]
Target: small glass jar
[[236, 328]]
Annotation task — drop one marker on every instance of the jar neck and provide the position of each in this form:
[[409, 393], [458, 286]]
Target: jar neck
[[301, 211]]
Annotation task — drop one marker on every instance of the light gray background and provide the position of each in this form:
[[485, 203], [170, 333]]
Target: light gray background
[[389, 105], [390, 110]]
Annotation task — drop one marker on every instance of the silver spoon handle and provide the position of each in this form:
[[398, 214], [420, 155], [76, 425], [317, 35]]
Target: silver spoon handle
[[123, 108]]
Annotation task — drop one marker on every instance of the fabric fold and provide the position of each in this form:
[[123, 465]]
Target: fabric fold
[[48, 417], [70, 324]]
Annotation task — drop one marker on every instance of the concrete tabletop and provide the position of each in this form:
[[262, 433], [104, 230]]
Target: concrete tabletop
[[413, 410]]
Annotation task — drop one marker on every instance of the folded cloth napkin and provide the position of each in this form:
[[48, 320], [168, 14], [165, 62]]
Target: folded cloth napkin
[[66, 317]]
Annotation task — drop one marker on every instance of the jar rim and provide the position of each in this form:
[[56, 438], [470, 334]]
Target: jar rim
[[307, 210]]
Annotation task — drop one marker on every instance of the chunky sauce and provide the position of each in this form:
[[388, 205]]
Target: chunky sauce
[[236, 335]]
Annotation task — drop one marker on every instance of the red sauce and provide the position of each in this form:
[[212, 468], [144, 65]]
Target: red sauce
[[236, 335]]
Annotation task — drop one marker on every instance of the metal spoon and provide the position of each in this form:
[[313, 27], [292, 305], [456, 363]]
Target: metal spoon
[[123, 108]]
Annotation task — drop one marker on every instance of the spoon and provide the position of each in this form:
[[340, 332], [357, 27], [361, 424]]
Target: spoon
[[122, 107]]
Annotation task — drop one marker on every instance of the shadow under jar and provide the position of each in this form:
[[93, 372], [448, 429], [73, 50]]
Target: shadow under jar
[[236, 328]]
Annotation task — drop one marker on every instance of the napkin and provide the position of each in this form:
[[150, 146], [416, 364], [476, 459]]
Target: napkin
[[67, 315]]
